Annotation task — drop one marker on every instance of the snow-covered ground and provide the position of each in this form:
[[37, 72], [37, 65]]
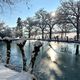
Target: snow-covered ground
[[7, 74]]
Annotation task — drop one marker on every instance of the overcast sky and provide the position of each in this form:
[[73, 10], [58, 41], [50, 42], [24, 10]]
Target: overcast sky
[[10, 15]]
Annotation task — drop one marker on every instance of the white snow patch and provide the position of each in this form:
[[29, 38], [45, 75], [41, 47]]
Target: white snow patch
[[22, 76], [7, 38], [7, 74], [37, 43], [21, 41], [0, 38]]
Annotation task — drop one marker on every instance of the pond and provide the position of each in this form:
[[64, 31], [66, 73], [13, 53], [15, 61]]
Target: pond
[[55, 61]]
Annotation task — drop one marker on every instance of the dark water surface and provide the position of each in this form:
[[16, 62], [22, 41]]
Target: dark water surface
[[56, 61]]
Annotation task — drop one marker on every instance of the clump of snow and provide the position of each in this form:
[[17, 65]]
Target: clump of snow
[[21, 41], [0, 38], [7, 38], [17, 38], [37, 43]]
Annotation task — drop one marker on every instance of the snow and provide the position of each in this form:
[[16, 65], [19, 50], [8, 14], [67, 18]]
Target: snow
[[7, 74], [21, 41], [0, 38], [37, 43], [22, 76], [7, 38]]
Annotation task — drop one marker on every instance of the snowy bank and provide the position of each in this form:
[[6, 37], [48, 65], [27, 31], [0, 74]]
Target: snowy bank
[[7, 74], [7, 38]]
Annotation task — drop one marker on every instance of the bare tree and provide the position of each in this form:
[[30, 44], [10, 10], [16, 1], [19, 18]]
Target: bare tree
[[9, 3], [2, 25], [41, 20], [50, 21], [4, 30], [65, 28], [29, 23], [69, 13], [19, 27], [12, 2]]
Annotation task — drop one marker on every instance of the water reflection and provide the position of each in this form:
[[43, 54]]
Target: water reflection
[[3, 51], [55, 61], [15, 55], [65, 67], [77, 49]]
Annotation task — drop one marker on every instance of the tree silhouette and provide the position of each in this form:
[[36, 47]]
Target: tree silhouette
[[10, 3], [19, 26], [41, 20], [69, 13], [50, 21], [29, 23]]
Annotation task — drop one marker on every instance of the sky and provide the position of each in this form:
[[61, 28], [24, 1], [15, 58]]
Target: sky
[[10, 15]]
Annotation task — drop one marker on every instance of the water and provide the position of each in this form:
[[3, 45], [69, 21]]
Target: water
[[15, 56], [56, 61]]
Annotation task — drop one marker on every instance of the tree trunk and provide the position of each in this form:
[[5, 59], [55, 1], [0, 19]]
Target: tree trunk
[[24, 59], [65, 33], [77, 34], [29, 34], [21, 32], [8, 51], [42, 33], [77, 27], [33, 58], [61, 35], [50, 36], [77, 50], [21, 46]]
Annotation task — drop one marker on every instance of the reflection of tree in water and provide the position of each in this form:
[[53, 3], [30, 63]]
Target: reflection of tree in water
[[39, 72], [65, 67], [35, 53], [76, 45], [77, 49], [1, 48], [43, 68], [41, 76], [65, 49]]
